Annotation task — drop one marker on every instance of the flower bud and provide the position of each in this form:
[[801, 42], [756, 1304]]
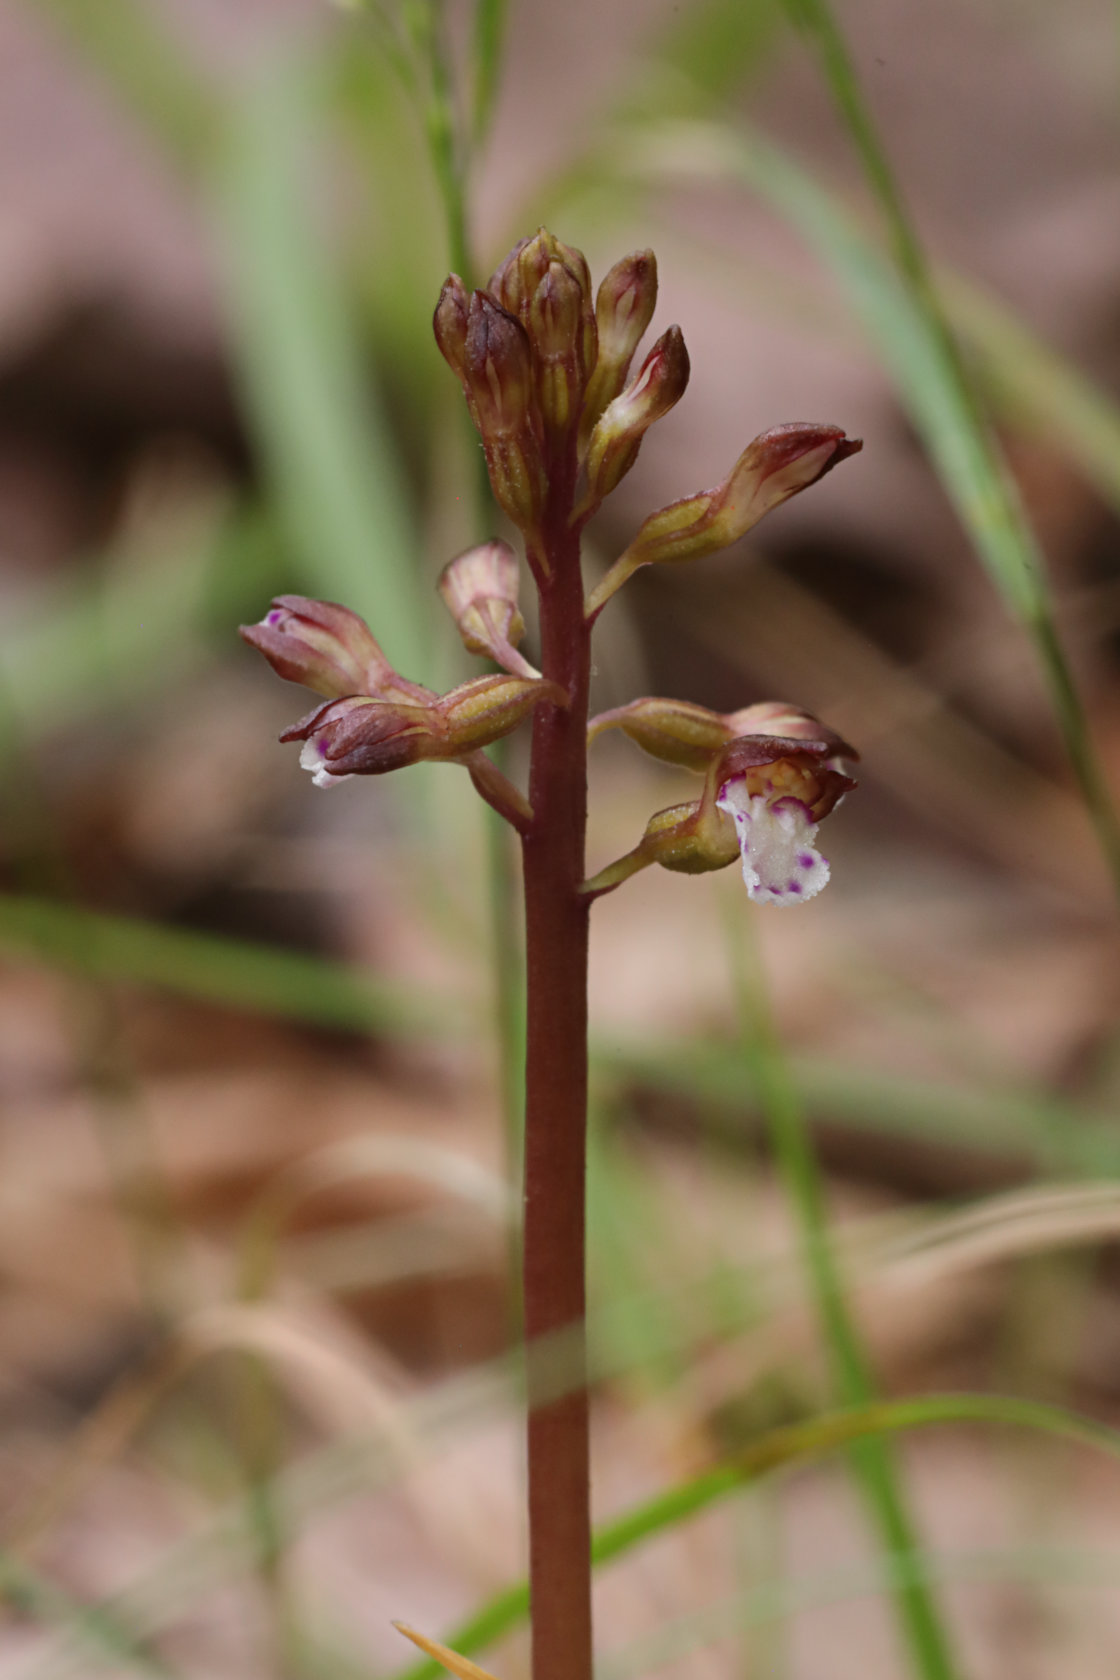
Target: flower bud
[[499, 385], [690, 839], [479, 589], [619, 431], [364, 735], [623, 310], [515, 280], [556, 335], [450, 324], [774, 467], [326, 647], [498, 367], [675, 731]]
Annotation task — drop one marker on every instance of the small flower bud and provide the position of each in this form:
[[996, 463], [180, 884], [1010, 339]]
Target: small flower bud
[[515, 280], [675, 731], [498, 367], [479, 589], [556, 334], [623, 310], [499, 384], [619, 431], [770, 470], [521, 271], [450, 323], [324, 646]]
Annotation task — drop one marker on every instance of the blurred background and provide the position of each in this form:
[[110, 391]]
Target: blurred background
[[255, 1120]]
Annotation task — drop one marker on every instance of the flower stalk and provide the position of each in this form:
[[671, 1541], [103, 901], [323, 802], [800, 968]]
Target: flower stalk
[[544, 372]]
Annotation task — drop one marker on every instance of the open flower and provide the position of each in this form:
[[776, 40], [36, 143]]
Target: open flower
[[776, 789], [772, 772], [368, 735]]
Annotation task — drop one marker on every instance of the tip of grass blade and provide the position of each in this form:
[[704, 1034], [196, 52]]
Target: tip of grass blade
[[462, 1667]]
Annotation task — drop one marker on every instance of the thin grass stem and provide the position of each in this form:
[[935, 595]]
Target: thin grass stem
[[873, 1462], [815, 19]]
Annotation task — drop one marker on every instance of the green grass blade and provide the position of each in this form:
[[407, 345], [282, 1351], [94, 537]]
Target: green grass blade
[[486, 51], [96, 1629], [240, 974], [710, 48], [780, 1450], [1003, 536], [204, 1561], [147, 70], [873, 1463], [217, 970], [1033, 1132], [1037, 388], [815, 21], [325, 444], [118, 630], [925, 375]]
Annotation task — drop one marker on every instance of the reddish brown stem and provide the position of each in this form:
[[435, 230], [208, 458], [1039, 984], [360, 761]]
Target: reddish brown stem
[[556, 915]]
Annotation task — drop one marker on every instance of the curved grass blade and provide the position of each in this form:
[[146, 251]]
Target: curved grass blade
[[104, 1636], [874, 1466], [204, 1561], [1039, 1133], [781, 1450], [1038, 1566], [219, 970]]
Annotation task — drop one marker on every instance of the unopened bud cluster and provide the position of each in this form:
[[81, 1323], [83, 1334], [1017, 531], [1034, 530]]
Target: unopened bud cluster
[[543, 364]]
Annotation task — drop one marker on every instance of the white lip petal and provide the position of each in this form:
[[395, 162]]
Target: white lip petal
[[781, 866], [311, 758]]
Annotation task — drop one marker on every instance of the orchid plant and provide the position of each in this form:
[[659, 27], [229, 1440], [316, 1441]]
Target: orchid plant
[[545, 369]]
